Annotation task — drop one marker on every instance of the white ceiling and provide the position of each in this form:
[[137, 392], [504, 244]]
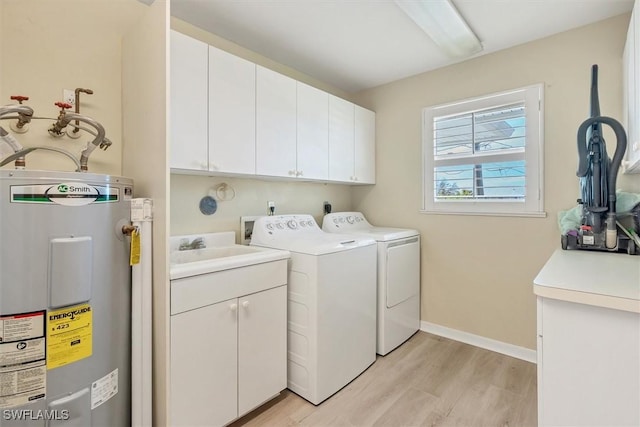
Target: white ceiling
[[359, 44]]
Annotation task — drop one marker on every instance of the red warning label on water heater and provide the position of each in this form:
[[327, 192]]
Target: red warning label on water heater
[[23, 370]]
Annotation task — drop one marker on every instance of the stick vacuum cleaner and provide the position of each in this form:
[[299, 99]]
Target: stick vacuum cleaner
[[599, 229]]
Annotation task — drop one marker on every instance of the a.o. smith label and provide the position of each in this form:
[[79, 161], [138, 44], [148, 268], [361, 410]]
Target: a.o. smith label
[[65, 193]]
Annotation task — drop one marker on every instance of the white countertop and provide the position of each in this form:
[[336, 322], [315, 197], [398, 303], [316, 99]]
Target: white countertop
[[610, 280]]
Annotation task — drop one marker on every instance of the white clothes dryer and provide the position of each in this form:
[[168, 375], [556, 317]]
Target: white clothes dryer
[[331, 303], [398, 276]]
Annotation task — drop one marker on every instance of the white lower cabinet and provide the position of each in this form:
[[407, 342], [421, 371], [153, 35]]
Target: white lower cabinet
[[228, 358], [588, 365], [204, 365], [262, 347]]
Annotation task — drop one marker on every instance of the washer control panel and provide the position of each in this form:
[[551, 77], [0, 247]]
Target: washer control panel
[[344, 221], [281, 224]]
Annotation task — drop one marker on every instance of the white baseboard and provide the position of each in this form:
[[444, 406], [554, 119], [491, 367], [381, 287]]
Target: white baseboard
[[482, 342]]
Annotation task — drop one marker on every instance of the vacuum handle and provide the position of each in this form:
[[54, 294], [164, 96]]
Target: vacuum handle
[[616, 161], [595, 100]]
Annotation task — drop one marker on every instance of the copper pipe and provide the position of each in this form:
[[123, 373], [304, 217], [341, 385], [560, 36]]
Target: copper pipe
[[78, 90]]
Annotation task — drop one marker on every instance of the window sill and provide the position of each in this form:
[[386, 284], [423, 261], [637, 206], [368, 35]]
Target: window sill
[[468, 213]]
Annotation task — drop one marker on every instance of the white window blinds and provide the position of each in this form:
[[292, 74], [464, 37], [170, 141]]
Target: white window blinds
[[484, 150]]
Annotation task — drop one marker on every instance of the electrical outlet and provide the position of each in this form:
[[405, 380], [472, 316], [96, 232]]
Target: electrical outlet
[[69, 96], [271, 208]]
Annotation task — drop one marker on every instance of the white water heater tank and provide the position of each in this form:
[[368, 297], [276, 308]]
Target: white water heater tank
[[65, 299]]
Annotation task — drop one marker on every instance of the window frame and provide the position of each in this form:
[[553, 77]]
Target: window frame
[[533, 203]]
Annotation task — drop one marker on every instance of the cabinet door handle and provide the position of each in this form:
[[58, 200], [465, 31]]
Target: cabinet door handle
[[298, 173], [245, 304], [233, 307], [293, 173]]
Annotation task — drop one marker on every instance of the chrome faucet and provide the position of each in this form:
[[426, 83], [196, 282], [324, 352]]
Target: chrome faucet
[[197, 243]]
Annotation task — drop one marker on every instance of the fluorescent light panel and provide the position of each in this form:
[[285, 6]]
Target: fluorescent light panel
[[442, 22]]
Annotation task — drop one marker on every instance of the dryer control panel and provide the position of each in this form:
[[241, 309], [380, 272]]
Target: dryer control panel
[[345, 222]]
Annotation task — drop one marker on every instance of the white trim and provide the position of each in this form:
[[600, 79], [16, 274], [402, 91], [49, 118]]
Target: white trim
[[511, 350], [514, 214]]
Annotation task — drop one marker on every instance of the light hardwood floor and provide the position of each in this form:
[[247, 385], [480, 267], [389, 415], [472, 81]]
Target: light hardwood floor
[[428, 381]]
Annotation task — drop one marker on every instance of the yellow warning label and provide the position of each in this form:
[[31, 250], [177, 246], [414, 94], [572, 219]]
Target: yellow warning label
[[135, 247], [69, 335]]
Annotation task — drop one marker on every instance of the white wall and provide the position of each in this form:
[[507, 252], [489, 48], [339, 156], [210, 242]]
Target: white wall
[[1, 47], [251, 196], [42, 55], [145, 110], [477, 272]]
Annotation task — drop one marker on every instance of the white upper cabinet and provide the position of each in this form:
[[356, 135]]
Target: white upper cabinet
[[631, 82], [188, 103], [313, 133], [365, 146], [341, 139], [230, 116], [275, 124], [352, 155], [232, 113]]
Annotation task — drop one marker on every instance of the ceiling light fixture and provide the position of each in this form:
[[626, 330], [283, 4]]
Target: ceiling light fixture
[[442, 22]]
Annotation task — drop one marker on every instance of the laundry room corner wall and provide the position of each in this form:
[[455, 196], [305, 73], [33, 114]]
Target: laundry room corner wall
[[477, 271], [50, 46], [1, 44], [145, 105]]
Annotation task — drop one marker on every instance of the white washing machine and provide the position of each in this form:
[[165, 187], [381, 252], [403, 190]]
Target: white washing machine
[[398, 276], [331, 303]]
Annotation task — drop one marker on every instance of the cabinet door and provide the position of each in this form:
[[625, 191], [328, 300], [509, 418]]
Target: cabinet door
[[232, 113], [365, 145], [262, 347], [204, 365], [188, 102], [633, 149], [341, 139], [275, 124], [313, 133], [589, 375]]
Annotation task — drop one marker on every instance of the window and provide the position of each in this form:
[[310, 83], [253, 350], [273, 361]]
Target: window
[[484, 155]]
